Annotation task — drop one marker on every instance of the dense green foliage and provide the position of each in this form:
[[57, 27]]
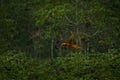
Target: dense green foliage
[[31, 32], [30, 26], [74, 66]]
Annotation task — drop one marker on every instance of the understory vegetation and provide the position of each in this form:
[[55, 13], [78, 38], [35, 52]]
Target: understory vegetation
[[73, 66]]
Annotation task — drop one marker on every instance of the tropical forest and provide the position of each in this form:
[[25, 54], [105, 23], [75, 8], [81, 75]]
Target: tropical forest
[[59, 39]]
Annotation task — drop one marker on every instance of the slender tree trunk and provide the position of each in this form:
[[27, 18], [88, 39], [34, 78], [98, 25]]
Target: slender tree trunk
[[52, 48], [60, 49]]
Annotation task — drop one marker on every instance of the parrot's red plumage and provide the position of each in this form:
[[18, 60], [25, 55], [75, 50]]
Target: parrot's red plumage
[[75, 46], [67, 43]]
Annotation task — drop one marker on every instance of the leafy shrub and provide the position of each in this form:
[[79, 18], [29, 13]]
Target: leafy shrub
[[74, 66], [97, 66], [15, 65]]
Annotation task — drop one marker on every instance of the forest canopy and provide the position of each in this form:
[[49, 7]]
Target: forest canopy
[[49, 32]]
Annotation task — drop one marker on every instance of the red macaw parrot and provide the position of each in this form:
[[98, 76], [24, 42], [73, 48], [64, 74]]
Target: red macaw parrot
[[67, 43]]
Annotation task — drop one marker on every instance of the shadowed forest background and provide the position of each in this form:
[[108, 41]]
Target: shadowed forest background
[[32, 31]]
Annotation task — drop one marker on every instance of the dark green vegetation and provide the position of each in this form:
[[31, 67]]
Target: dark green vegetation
[[31, 32], [75, 66]]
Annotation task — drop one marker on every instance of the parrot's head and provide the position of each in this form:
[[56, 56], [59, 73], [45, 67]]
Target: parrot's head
[[65, 44]]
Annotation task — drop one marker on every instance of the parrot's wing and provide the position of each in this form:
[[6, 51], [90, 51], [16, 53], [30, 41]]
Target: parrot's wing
[[75, 46], [70, 38]]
